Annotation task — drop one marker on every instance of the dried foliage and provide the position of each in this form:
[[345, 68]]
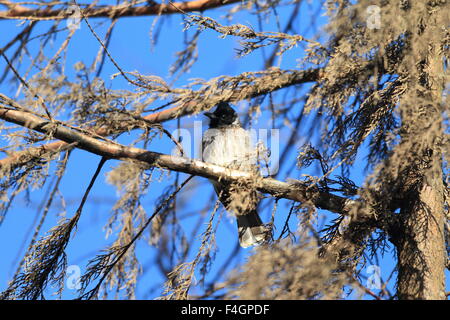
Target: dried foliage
[[254, 40], [181, 278], [373, 85]]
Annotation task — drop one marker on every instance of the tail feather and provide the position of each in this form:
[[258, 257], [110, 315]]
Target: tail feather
[[251, 229]]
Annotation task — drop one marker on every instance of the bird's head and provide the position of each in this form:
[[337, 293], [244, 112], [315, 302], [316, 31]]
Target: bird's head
[[224, 115]]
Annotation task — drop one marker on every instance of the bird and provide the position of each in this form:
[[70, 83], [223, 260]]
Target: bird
[[226, 143]]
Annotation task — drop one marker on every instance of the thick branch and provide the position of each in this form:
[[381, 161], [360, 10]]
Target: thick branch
[[21, 12], [294, 191], [265, 85]]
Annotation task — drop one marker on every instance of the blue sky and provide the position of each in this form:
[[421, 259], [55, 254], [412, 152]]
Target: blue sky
[[132, 48]]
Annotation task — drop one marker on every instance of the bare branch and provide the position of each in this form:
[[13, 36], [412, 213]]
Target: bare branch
[[295, 190]]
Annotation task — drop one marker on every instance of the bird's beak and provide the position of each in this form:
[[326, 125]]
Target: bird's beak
[[210, 115]]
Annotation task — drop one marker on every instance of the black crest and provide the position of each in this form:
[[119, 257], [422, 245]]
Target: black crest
[[224, 115]]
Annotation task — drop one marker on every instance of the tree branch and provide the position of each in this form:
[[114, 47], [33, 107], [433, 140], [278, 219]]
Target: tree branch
[[296, 191], [116, 11], [271, 81]]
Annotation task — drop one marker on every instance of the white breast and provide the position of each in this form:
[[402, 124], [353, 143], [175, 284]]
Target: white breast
[[233, 148]]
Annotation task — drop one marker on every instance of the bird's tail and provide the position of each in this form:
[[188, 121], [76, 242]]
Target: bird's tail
[[251, 229]]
